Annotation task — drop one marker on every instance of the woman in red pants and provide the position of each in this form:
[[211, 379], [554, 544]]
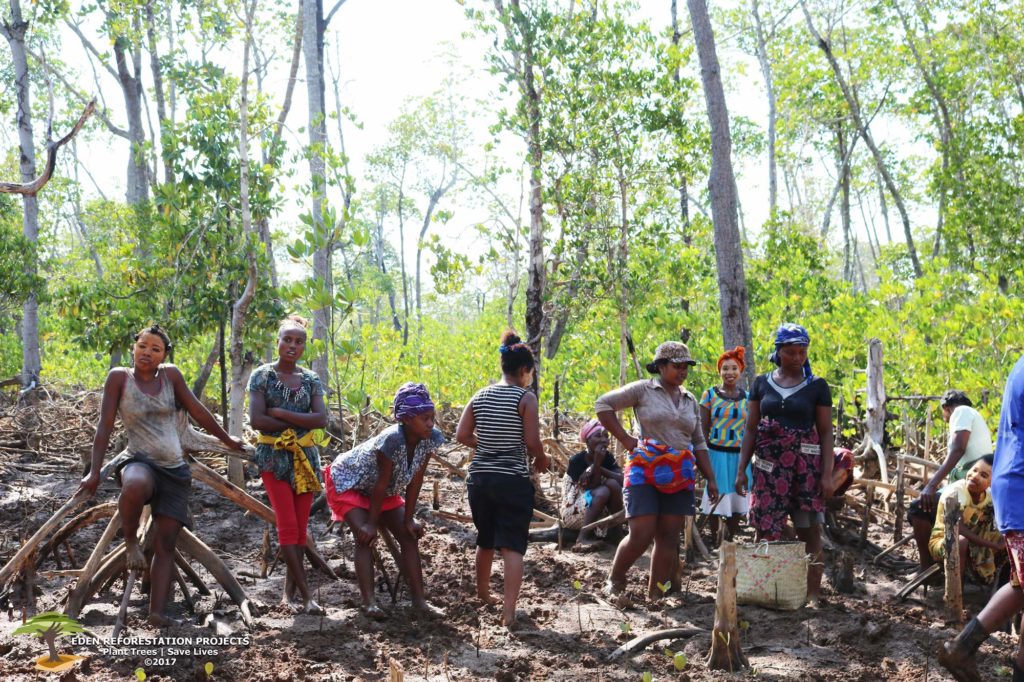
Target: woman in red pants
[[286, 404]]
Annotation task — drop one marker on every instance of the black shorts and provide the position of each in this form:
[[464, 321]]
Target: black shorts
[[502, 507], [646, 500], [915, 509], [171, 487]]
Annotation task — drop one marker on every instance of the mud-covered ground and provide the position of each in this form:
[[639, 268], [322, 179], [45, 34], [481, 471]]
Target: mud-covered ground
[[567, 633]]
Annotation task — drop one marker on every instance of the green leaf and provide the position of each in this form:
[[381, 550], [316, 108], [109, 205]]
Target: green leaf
[[679, 661]]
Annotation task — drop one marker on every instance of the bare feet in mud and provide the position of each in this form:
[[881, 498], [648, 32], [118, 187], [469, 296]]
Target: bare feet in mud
[[161, 621], [313, 609], [373, 611], [427, 610], [134, 557], [488, 599]]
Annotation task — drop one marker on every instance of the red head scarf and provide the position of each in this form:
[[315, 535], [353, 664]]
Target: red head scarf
[[736, 354]]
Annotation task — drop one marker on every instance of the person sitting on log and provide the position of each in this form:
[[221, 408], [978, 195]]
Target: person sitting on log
[[365, 488], [592, 483], [789, 428], [958, 655], [660, 470], [152, 470], [723, 416], [979, 540], [286, 405], [969, 440]]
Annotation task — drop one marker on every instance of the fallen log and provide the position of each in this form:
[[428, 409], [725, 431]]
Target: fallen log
[[122, 613], [218, 569], [617, 517], [16, 562], [638, 644], [203, 473], [100, 511], [77, 597]]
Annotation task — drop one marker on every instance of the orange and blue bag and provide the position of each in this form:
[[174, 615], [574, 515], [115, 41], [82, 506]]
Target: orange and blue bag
[[655, 463]]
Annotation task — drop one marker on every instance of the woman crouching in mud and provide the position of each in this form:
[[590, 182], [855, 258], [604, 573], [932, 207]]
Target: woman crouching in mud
[[152, 469]]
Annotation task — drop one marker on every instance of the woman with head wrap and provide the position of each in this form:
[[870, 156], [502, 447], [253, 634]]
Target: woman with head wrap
[[592, 483], [789, 429], [286, 404], [723, 416], [660, 466], [502, 425], [365, 488]]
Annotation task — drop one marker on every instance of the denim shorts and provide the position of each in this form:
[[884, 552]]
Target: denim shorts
[[646, 500]]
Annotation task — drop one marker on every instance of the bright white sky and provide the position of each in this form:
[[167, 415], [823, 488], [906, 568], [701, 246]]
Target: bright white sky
[[391, 50]]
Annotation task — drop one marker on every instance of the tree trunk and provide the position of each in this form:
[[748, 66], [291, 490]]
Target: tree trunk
[[520, 33], [131, 88], [726, 653], [684, 199], [378, 252], [242, 362], [158, 86], [199, 386], [844, 203], [769, 86], [732, 285], [14, 31], [865, 134], [313, 51]]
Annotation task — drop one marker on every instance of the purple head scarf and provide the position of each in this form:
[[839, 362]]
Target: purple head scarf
[[412, 399], [788, 334]]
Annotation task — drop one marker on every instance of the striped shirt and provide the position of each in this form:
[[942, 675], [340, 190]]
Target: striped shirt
[[501, 448], [728, 417]]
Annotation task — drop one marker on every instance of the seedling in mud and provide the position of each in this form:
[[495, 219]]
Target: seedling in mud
[[578, 586], [626, 627], [665, 586], [647, 677], [678, 658]]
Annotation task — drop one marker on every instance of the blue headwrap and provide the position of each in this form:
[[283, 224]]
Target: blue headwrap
[[412, 399], [789, 334]]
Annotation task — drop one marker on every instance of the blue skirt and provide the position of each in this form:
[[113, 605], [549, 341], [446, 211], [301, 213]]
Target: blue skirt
[[725, 465]]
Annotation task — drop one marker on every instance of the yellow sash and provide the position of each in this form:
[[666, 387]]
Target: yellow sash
[[305, 478]]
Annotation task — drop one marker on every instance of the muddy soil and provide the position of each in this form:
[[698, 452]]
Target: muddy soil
[[567, 633]]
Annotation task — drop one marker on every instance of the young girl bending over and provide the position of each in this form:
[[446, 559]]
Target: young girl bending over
[[285, 404], [152, 469], [365, 487]]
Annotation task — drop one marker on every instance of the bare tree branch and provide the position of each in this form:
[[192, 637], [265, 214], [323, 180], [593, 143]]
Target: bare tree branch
[[101, 112], [31, 188], [330, 15]]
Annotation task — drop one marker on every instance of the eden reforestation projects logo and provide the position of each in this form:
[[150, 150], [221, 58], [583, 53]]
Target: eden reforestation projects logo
[[48, 627]]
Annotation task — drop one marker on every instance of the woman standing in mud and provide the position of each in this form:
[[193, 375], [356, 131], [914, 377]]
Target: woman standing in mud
[[723, 416], [502, 425], [789, 428], [286, 404], [659, 473], [152, 469]]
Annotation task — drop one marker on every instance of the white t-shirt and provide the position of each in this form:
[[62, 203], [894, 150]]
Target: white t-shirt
[[979, 443]]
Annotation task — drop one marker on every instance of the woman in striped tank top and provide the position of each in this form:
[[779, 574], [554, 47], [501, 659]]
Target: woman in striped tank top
[[501, 424]]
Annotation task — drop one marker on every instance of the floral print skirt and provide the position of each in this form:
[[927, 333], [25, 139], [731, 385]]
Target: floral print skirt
[[792, 485]]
